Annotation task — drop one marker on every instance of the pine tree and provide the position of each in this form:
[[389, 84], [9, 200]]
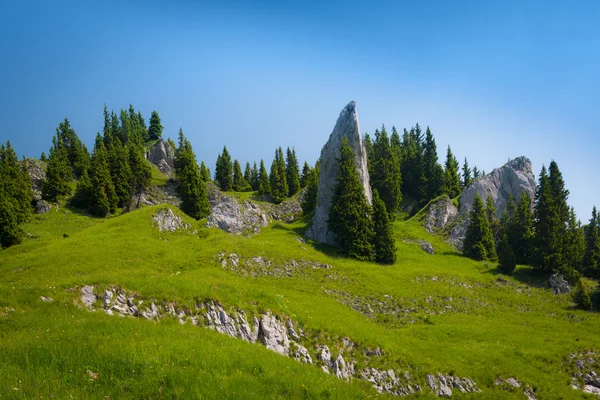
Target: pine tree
[[412, 168], [591, 259], [43, 157], [77, 154], [368, 143], [254, 177], [506, 256], [83, 192], [10, 233], [292, 172], [204, 172], [386, 178], [264, 185], [104, 199], [239, 183], [466, 175], [522, 242], [141, 172], [490, 212], [248, 176], [59, 176], [451, 179], [384, 244], [479, 241], [15, 183], [120, 171], [476, 173], [305, 173], [278, 178], [349, 215], [433, 171], [312, 187], [190, 185], [573, 248], [155, 129], [224, 171]]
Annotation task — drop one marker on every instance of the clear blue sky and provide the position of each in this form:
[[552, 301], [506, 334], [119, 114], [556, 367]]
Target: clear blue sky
[[495, 80]]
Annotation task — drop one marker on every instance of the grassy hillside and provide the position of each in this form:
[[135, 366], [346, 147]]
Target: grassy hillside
[[427, 313]]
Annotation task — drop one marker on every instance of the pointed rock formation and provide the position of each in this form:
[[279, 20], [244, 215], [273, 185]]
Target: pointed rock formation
[[347, 126], [163, 156]]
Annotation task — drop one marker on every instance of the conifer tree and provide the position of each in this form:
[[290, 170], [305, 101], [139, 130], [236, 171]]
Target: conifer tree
[[292, 172], [204, 172], [312, 187], [224, 171], [506, 256], [369, 152], [77, 154], [190, 185], [433, 171], [248, 176], [104, 199], [349, 215], [120, 170], [573, 247], [43, 157], [384, 244], [412, 170], [476, 173], [239, 183], [451, 179], [386, 178], [305, 174], [10, 232], [15, 183], [254, 177], [155, 129], [264, 185], [83, 192], [59, 175], [141, 172], [490, 212], [278, 178], [591, 259], [522, 242], [479, 241], [581, 297], [466, 175]]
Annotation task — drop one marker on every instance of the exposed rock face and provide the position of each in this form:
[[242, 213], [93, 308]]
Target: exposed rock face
[[558, 284], [443, 384], [163, 156], [426, 247], [41, 207], [440, 214], [512, 179], [273, 334], [37, 174], [347, 126], [166, 220]]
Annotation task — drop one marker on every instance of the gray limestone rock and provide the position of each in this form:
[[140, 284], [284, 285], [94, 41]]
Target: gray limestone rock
[[301, 354], [347, 126], [341, 369], [87, 296], [219, 320], [41, 207], [233, 217], [441, 212], [558, 284], [166, 220], [272, 333], [426, 247], [163, 156]]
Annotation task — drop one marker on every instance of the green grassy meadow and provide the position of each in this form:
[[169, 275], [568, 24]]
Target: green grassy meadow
[[428, 314]]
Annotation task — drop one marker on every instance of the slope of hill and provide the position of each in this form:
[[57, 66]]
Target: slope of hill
[[428, 318]]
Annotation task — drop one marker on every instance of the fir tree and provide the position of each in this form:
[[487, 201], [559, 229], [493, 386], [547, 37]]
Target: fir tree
[[573, 247], [104, 199], [412, 170], [386, 178], [264, 186], [466, 175], [10, 233], [77, 154], [305, 173], [451, 179], [278, 178], [433, 171], [292, 172], [43, 157], [254, 177], [15, 183], [369, 152], [384, 244], [476, 173], [490, 212], [120, 170], [349, 215], [248, 176], [506, 256], [479, 241], [190, 185], [83, 192], [155, 129], [204, 172], [591, 259], [312, 187], [141, 172], [522, 242], [59, 176], [224, 171], [239, 183]]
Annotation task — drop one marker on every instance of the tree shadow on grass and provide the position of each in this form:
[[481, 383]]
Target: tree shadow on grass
[[299, 233], [525, 274]]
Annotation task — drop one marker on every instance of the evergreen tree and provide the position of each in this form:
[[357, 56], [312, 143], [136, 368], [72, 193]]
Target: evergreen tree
[[239, 183], [190, 185], [476, 173], [254, 177], [248, 176], [83, 192], [384, 244], [278, 178], [522, 242], [141, 172], [204, 172], [573, 247], [15, 183], [264, 185], [104, 199], [432, 169], [10, 233], [490, 212], [581, 297], [349, 215], [43, 157], [59, 176], [386, 178], [292, 172], [591, 259], [305, 174], [451, 179], [479, 241], [312, 187], [224, 171], [506, 256], [466, 175], [120, 171], [77, 154], [155, 129], [412, 171], [369, 152]]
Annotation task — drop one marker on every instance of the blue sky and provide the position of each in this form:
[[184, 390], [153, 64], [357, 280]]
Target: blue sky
[[495, 80]]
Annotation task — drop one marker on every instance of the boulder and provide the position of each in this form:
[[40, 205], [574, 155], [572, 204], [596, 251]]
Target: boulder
[[166, 220], [558, 284], [87, 296], [347, 126], [272, 333], [42, 207], [163, 156], [440, 213]]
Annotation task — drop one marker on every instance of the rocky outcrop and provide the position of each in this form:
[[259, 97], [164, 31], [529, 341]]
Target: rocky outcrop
[[347, 126], [37, 174], [558, 284], [442, 385], [586, 377], [166, 220], [163, 156], [440, 213]]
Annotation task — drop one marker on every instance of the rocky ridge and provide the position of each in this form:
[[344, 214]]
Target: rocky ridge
[[277, 333], [37, 174], [346, 126], [162, 155]]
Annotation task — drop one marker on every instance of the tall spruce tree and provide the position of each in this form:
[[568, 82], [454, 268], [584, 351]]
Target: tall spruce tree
[[278, 178], [312, 187], [479, 240], [573, 248], [83, 192], [384, 245], [190, 185], [451, 179], [120, 170], [491, 214], [412, 171], [239, 183], [15, 183], [141, 172], [104, 199], [264, 185], [433, 171], [369, 152], [155, 129], [77, 153], [292, 172], [248, 176], [476, 173], [224, 171], [386, 178], [204, 172], [254, 177], [591, 259], [304, 175], [466, 175], [59, 175], [350, 213], [10, 232], [522, 243]]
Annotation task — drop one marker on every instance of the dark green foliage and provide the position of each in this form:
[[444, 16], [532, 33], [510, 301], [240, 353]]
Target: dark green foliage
[[120, 170], [224, 171], [591, 259], [204, 172], [490, 212], [384, 244], [155, 129], [476, 173], [190, 185], [292, 172], [506, 256], [141, 172], [43, 157], [239, 183], [386, 178], [523, 234], [349, 215], [581, 297], [369, 151], [264, 186], [83, 192], [104, 199], [254, 177], [412, 168], [312, 187], [573, 244], [479, 241], [10, 233], [466, 175], [15, 183], [305, 174], [248, 176], [77, 154], [278, 178], [59, 175], [433, 171], [451, 179]]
